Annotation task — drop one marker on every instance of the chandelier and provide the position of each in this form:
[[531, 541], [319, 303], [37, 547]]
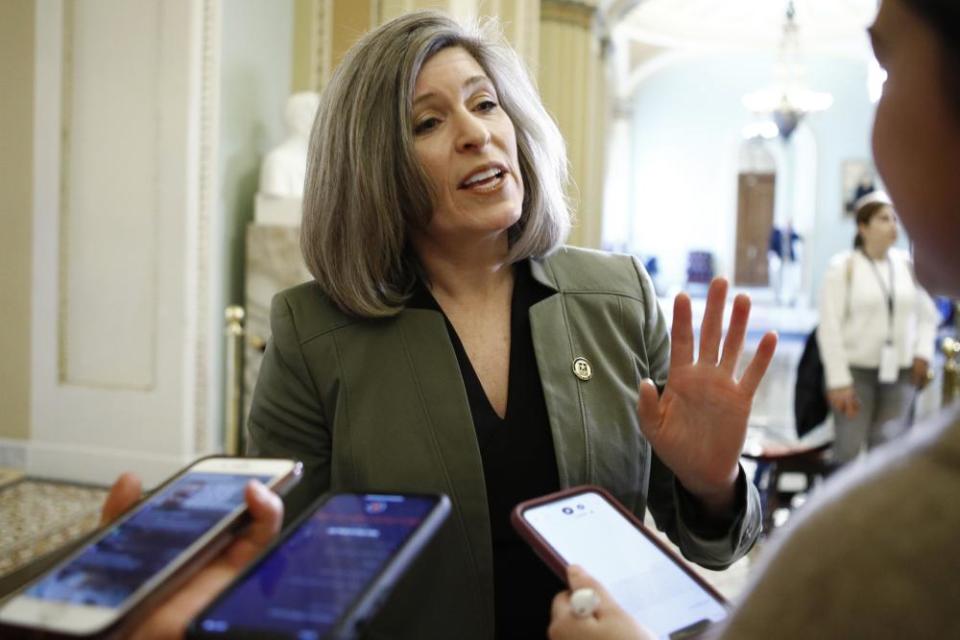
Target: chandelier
[[788, 100]]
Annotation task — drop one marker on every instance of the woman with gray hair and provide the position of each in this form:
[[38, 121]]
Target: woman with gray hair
[[450, 344]]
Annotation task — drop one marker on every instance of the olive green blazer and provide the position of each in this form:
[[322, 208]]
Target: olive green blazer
[[380, 404]]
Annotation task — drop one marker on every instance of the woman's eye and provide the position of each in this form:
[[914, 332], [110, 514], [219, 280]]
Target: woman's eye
[[425, 125], [486, 105]]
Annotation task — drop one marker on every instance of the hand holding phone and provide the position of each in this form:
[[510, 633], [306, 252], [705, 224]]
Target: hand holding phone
[[330, 570], [586, 526], [607, 620], [152, 548], [171, 617]]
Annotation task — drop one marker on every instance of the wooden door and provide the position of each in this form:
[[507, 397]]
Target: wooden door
[[755, 201], [122, 350]]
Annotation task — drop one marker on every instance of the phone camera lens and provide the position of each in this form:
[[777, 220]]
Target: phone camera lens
[[567, 510], [580, 507]]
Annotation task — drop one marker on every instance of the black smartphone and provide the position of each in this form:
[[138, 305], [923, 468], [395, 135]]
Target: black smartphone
[[330, 570], [146, 552], [587, 526]]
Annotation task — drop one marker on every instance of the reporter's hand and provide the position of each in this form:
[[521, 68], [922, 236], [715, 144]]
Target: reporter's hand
[[920, 373], [608, 622], [169, 619], [844, 400]]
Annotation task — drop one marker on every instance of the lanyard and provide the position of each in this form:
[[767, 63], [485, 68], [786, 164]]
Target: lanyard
[[887, 294]]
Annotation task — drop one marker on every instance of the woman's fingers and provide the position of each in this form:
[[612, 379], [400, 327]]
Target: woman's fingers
[[266, 517], [758, 364], [712, 328], [648, 409], [681, 333], [854, 405], [733, 343], [578, 578], [123, 494], [266, 512]]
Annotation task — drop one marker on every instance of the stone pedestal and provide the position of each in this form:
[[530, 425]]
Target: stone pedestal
[[273, 264], [277, 211]]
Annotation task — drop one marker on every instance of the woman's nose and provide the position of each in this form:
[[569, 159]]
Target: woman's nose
[[472, 133]]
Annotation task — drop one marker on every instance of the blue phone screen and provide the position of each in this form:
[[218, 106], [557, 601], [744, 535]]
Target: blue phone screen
[[108, 571], [306, 584]]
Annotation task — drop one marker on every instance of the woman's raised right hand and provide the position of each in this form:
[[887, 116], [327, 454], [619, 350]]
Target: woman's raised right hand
[[844, 400]]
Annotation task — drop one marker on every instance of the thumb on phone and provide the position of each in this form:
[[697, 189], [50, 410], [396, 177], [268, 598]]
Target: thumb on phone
[[124, 493], [608, 622], [578, 578]]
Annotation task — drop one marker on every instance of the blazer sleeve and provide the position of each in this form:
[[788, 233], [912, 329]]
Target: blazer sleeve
[[710, 544], [286, 416]]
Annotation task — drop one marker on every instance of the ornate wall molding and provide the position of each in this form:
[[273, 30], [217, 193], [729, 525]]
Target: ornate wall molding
[[209, 107], [66, 108], [321, 43]]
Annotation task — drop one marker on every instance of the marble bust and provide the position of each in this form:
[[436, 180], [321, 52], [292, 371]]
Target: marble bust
[[284, 167]]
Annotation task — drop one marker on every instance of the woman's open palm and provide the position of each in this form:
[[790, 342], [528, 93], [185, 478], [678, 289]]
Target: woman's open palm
[[698, 425]]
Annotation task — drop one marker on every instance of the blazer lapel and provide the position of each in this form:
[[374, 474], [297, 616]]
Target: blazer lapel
[[552, 343], [449, 426]]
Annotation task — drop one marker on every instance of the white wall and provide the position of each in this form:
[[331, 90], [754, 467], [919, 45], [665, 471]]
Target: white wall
[[687, 123], [256, 63], [16, 176]]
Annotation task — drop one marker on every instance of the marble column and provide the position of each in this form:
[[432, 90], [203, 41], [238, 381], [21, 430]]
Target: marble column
[[572, 82], [323, 32], [325, 29]]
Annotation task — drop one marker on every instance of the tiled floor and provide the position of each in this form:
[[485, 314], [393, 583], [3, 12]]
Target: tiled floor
[[9, 476], [37, 516]]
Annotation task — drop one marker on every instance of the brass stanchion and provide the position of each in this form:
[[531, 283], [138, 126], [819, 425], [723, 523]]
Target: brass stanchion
[[233, 408], [951, 370]]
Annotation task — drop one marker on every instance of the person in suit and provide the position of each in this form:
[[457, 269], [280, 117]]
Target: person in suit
[[450, 343], [874, 554]]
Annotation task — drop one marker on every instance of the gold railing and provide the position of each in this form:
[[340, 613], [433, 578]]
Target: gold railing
[[233, 396]]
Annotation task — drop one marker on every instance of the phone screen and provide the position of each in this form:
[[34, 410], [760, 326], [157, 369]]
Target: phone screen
[[585, 529], [306, 584], [110, 570]]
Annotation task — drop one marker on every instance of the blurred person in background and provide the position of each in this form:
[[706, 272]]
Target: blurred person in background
[[876, 334]]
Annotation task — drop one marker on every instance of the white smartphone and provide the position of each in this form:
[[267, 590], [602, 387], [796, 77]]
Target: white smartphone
[[147, 551], [586, 526]]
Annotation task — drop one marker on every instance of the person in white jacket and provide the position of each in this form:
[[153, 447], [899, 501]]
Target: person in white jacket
[[876, 334]]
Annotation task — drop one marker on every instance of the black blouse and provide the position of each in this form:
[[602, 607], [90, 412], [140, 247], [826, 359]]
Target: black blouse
[[518, 462]]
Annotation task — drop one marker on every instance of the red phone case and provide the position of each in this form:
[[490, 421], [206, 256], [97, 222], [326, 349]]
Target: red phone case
[[559, 566]]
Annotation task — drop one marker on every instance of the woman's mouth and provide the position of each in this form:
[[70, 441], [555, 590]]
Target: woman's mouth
[[485, 181]]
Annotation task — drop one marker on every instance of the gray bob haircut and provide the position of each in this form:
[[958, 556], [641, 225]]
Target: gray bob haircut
[[365, 189]]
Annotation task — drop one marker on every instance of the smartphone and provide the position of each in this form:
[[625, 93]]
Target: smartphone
[[329, 572], [146, 552], [589, 527]]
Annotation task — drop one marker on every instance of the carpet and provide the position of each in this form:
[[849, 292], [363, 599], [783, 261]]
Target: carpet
[[37, 516]]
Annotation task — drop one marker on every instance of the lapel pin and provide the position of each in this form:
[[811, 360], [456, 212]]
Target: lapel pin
[[582, 369]]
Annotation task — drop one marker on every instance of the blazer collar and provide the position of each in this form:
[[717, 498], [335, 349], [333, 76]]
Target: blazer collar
[[542, 273]]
